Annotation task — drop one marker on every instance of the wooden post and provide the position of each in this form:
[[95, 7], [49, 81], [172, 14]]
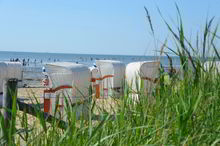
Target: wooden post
[[9, 96]]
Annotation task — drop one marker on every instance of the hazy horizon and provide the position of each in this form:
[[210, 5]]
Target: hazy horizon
[[74, 53]]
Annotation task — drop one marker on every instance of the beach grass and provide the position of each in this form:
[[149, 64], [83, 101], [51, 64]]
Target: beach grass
[[183, 108]]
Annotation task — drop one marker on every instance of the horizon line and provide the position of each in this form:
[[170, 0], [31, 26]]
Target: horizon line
[[84, 53]]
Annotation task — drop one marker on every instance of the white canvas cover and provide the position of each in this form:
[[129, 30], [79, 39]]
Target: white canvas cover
[[9, 70], [95, 73], [66, 73], [147, 71], [113, 86], [214, 64], [71, 74]]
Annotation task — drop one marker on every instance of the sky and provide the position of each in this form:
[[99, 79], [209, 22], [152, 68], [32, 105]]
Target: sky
[[117, 27]]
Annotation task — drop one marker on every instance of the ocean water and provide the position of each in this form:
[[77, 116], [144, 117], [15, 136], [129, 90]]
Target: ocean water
[[35, 61], [38, 59]]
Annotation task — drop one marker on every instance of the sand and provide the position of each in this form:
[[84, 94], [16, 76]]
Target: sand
[[30, 95]]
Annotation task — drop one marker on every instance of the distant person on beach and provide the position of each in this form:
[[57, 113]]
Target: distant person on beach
[[28, 61], [23, 62], [43, 69], [35, 62], [17, 60]]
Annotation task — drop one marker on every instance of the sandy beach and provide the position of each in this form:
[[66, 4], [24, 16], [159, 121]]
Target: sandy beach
[[30, 95]]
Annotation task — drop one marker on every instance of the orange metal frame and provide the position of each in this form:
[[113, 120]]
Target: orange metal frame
[[102, 78], [51, 90], [97, 86], [47, 103]]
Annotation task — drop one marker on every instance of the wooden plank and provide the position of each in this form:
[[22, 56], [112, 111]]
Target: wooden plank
[[29, 109]]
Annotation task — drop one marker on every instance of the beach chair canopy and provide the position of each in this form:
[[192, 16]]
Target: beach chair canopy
[[10, 70], [112, 67], [66, 73], [65, 67]]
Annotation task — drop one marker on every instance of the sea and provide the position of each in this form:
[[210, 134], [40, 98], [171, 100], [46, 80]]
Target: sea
[[33, 62]]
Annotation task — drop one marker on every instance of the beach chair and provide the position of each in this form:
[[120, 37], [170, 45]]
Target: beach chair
[[69, 86], [146, 72], [112, 77]]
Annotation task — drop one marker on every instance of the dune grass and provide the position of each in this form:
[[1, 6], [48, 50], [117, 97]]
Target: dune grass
[[181, 111]]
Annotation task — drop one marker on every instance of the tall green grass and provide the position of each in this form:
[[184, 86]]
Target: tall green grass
[[182, 111]]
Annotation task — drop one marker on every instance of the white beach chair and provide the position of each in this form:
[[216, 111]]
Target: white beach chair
[[69, 81], [146, 71], [112, 76]]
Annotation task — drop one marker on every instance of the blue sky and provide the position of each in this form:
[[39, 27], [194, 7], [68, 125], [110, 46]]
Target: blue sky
[[95, 26]]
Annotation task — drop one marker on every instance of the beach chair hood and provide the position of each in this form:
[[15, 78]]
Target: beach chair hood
[[10, 70]]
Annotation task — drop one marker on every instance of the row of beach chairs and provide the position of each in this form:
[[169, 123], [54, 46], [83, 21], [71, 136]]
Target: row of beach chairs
[[107, 78], [73, 81]]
